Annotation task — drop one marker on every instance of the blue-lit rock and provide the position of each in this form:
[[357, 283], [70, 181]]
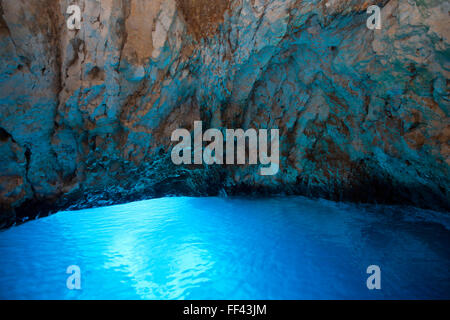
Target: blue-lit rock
[[86, 116]]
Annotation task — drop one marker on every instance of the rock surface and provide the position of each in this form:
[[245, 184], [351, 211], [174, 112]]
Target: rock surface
[[86, 116]]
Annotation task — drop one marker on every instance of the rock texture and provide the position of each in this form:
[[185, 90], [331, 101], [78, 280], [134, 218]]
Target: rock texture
[[86, 116]]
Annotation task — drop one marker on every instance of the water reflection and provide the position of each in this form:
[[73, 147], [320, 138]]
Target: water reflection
[[214, 248]]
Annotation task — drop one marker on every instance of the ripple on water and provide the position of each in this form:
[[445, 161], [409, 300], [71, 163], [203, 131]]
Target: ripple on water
[[229, 248]]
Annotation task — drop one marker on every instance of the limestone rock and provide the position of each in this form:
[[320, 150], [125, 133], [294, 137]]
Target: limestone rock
[[86, 116]]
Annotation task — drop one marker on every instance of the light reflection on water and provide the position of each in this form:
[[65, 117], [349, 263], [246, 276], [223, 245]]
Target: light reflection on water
[[229, 248]]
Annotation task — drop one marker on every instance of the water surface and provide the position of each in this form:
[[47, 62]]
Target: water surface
[[229, 248]]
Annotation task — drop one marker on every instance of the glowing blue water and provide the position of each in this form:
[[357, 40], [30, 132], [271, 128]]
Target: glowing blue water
[[214, 248]]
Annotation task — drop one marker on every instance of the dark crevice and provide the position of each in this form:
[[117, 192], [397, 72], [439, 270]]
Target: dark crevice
[[4, 135], [27, 168], [28, 157]]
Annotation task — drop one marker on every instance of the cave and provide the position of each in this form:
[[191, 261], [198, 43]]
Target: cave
[[362, 110]]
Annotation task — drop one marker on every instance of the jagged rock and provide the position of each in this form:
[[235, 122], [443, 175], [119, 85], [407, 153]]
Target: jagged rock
[[87, 115]]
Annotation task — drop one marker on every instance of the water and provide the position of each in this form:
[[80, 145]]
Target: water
[[225, 248]]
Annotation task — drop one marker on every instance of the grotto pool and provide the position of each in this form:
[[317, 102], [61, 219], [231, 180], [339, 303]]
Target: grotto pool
[[229, 248]]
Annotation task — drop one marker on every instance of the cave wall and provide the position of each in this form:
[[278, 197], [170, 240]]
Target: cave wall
[[86, 116]]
